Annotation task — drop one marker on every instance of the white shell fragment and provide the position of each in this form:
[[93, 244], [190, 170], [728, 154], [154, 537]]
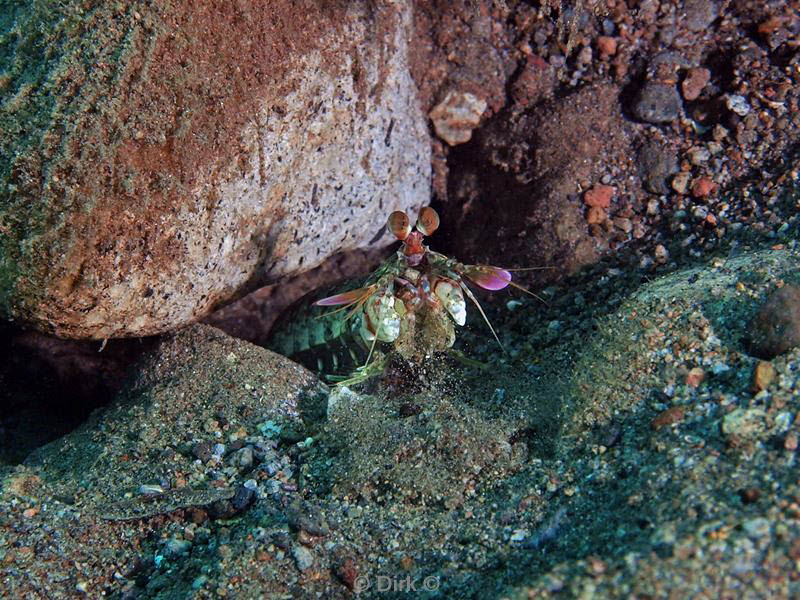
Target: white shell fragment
[[456, 116], [737, 104]]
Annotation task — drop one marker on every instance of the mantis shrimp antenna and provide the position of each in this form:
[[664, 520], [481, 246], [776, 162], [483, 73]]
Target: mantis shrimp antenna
[[471, 296]]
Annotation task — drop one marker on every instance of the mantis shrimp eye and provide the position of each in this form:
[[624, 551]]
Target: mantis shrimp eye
[[428, 221], [399, 224]]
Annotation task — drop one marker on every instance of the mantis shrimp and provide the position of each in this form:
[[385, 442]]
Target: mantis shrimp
[[410, 304]]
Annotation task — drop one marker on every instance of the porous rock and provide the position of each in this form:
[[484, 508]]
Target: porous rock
[[164, 158]]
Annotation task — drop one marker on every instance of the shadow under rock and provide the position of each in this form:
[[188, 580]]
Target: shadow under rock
[[49, 386]]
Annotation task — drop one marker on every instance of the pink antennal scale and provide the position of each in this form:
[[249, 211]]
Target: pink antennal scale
[[488, 277]]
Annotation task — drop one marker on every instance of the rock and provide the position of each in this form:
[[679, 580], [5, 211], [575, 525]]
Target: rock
[[674, 414], [599, 196], [346, 570], [303, 557], [744, 423], [607, 46], [763, 376], [775, 329], [167, 162], [695, 377], [456, 116], [702, 187], [656, 163], [696, 80], [194, 361], [681, 182], [757, 527], [657, 103], [699, 14]]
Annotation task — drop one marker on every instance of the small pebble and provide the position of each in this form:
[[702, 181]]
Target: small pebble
[[243, 458], [346, 571], [681, 182], [150, 489], [657, 103], [303, 557], [763, 375], [599, 196], [519, 535], [700, 14], [699, 155], [657, 161], [744, 422], [757, 528], [696, 80], [672, 415], [175, 547], [695, 377], [607, 46], [660, 253], [702, 187], [737, 104], [456, 116]]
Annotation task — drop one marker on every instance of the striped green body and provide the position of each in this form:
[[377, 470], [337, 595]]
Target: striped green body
[[324, 339], [320, 341]]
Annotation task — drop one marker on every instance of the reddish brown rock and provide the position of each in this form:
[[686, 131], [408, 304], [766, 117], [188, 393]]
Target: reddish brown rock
[[607, 46], [168, 157], [695, 377], [702, 187], [599, 196], [696, 80], [670, 416]]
